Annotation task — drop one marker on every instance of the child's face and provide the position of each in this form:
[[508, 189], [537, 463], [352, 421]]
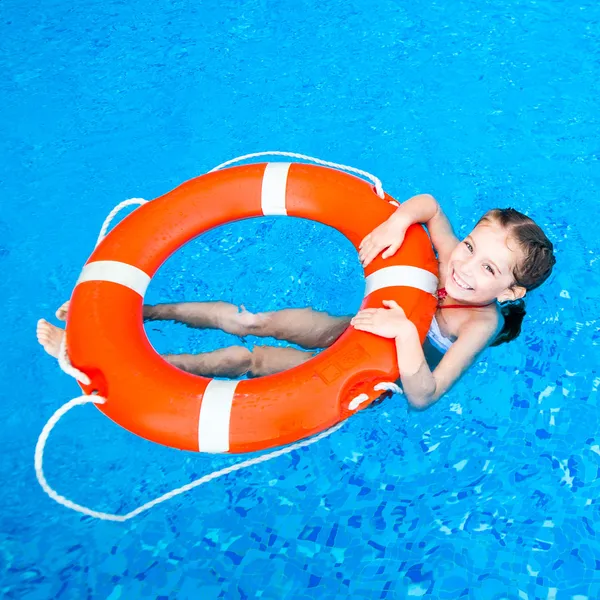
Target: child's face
[[480, 268]]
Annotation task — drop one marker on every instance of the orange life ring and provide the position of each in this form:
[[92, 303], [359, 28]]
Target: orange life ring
[[150, 397]]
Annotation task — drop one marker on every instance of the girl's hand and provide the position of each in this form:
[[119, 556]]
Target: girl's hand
[[389, 322], [388, 236]]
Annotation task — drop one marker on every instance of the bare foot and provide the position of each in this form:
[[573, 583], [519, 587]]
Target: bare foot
[[50, 337], [61, 313]]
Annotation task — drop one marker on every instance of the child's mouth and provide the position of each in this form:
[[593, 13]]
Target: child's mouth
[[460, 282]]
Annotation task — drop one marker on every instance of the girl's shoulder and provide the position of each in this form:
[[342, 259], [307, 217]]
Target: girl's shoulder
[[485, 323]]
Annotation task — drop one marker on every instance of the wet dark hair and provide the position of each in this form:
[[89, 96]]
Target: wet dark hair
[[530, 273]]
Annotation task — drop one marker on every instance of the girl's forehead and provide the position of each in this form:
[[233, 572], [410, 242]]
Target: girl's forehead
[[493, 239]]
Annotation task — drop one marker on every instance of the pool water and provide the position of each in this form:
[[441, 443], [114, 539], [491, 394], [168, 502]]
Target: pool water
[[492, 493]]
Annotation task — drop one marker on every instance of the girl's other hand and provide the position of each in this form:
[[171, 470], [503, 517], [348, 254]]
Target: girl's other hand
[[388, 236], [389, 322]]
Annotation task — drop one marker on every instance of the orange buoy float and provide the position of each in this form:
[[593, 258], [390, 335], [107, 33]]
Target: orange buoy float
[[155, 400]]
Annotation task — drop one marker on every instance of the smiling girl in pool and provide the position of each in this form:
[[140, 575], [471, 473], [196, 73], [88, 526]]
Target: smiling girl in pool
[[484, 280]]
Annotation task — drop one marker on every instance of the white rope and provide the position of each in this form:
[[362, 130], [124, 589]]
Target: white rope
[[65, 363], [388, 386], [53, 420], [357, 401], [113, 214], [69, 369], [376, 181], [63, 357]]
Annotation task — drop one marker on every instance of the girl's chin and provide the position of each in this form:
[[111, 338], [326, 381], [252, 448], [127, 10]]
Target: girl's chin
[[458, 293], [455, 290]]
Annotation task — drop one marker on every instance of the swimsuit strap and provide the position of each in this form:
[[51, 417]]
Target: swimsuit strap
[[442, 293], [464, 306]]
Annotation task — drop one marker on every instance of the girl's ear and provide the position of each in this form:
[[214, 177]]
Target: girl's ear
[[515, 292]]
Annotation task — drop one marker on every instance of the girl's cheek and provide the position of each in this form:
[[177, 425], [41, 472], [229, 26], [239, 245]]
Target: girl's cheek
[[456, 256], [483, 283]]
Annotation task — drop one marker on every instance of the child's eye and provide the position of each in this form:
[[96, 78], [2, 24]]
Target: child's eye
[[489, 269], [470, 248]]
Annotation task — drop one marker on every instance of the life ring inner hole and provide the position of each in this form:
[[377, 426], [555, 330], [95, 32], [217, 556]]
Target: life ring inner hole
[[262, 263]]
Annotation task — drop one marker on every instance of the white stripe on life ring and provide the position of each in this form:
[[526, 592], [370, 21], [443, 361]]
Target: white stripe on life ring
[[116, 272], [215, 415], [274, 184], [401, 275]]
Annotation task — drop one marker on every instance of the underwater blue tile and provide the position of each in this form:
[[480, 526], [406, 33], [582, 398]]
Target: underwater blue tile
[[503, 117], [310, 533], [380, 550], [355, 521], [491, 586], [332, 535], [236, 559], [451, 588]]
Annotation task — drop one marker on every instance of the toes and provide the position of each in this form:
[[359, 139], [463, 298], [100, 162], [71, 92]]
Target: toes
[[45, 337], [47, 331], [42, 328], [61, 313], [49, 337]]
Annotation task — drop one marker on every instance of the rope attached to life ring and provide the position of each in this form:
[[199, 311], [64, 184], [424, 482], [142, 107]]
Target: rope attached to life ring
[[69, 369], [39, 471], [376, 181]]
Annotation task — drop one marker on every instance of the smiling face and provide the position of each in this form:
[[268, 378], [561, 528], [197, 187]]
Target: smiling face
[[480, 269]]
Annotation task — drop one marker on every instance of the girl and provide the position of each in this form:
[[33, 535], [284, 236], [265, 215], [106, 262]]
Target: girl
[[484, 280]]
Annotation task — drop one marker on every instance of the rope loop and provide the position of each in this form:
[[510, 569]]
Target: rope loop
[[383, 386], [65, 363], [69, 369], [388, 386], [63, 501], [375, 180], [63, 357], [113, 213]]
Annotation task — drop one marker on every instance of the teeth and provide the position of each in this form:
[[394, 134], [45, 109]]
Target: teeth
[[460, 282]]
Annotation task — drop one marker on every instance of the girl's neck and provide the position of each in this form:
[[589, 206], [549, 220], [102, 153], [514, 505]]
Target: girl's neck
[[442, 295]]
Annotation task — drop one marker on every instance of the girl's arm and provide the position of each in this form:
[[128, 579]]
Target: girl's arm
[[422, 387], [423, 208]]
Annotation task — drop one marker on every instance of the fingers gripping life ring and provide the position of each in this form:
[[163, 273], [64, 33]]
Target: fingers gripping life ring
[[152, 398]]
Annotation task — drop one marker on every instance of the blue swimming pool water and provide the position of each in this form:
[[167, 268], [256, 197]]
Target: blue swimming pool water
[[491, 494]]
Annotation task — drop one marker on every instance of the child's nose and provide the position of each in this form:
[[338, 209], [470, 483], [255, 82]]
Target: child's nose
[[468, 266]]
